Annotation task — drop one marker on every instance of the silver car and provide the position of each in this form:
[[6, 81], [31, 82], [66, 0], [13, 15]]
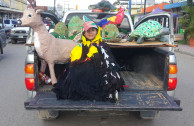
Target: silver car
[[19, 34]]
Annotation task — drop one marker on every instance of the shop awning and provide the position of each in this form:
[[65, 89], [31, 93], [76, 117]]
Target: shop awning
[[175, 5], [158, 10], [9, 10]]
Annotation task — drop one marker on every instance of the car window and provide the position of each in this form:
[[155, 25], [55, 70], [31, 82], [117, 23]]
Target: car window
[[46, 22], [97, 17], [162, 19], [14, 22], [7, 21]]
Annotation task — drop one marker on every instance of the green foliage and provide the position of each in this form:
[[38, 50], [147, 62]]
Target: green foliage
[[188, 21], [183, 42]]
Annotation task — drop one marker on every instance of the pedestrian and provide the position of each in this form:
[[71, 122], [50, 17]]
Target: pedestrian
[[93, 73]]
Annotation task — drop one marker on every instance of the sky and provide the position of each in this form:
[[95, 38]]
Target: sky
[[82, 4]]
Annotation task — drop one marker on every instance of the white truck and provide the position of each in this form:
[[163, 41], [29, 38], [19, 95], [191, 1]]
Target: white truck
[[149, 72]]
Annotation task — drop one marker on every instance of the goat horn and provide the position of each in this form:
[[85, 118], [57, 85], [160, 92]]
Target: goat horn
[[32, 3]]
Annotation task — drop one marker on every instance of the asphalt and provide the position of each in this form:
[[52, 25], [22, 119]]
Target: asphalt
[[185, 49]]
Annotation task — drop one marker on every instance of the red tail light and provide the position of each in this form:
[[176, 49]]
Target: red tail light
[[30, 83], [172, 82]]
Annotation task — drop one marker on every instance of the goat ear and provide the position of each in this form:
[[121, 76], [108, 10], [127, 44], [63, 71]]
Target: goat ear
[[39, 11]]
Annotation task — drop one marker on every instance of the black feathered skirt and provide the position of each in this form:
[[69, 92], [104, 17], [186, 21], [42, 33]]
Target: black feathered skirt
[[95, 79]]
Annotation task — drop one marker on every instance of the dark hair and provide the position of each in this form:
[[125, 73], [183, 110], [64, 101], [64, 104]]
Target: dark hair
[[85, 51]]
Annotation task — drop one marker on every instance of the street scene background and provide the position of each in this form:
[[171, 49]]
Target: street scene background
[[12, 61]]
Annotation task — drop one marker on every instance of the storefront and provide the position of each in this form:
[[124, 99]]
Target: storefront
[[176, 8], [10, 13], [140, 12]]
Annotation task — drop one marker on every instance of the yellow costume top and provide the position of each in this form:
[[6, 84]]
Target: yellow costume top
[[76, 53]]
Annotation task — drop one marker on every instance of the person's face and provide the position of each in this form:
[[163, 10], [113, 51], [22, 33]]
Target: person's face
[[91, 33]]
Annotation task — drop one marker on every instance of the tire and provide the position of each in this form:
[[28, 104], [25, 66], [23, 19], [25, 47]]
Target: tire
[[149, 114], [48, 115], [14, 41], [1, 48]]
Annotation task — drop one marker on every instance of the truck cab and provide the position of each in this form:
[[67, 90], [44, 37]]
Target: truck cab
[[149, 72]]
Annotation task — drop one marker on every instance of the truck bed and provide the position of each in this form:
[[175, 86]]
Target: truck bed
[[133, 81], [139, 81], [143, 69], [148, 43]]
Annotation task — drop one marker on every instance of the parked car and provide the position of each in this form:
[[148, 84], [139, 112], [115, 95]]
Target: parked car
[[19, 34], [2, 40], [47, 24], [10, 23]]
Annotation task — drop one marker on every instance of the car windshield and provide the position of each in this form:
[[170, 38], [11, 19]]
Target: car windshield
[[97, 17]]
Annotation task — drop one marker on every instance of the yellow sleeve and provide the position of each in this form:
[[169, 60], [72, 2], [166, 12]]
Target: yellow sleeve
[[76, 53]]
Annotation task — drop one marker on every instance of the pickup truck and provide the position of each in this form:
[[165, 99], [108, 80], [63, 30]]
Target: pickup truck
[[149, 72]]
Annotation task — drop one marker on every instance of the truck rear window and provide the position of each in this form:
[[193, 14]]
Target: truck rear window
[[97, 17]]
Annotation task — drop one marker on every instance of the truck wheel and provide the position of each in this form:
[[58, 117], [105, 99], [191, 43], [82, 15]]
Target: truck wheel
[[149, 114], [1, 48], [13, 41], [47, 114]]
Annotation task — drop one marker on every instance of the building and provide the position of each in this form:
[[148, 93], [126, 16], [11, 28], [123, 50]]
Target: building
[[140, 12], [135, 5], [12, 9], [175, 7]]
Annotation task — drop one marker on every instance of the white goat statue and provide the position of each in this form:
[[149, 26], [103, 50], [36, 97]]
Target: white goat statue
[[50, 49]]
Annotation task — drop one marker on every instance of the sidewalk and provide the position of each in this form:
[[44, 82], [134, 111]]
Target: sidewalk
[[185, 49]]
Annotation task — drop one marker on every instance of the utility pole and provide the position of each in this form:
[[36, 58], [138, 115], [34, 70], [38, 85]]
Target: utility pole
[[144, 6], [129, 7], [189, 2], [54, 5]]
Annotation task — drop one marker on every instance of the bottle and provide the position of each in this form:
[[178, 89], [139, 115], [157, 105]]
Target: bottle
[[44, 78]]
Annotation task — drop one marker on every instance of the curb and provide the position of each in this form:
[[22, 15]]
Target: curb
[[184, 52]]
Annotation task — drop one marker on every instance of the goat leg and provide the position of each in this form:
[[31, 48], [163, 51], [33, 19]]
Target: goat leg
[[43, 66], [52, 73]]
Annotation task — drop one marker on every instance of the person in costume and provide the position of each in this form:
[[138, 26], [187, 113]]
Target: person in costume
[[93, 73]]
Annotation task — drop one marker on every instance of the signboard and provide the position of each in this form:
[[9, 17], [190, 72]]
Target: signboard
[[139, 11], [45, 3]]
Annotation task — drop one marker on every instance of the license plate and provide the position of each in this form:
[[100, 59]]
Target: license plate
[[20, 36]]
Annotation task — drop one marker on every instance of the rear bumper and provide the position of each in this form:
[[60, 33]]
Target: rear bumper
[[19, 36], [130, 101]]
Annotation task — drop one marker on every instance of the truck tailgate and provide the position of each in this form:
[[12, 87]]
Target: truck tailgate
[[128, 101]]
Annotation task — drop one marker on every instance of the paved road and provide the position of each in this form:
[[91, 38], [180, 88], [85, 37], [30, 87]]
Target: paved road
[[12, 96]]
